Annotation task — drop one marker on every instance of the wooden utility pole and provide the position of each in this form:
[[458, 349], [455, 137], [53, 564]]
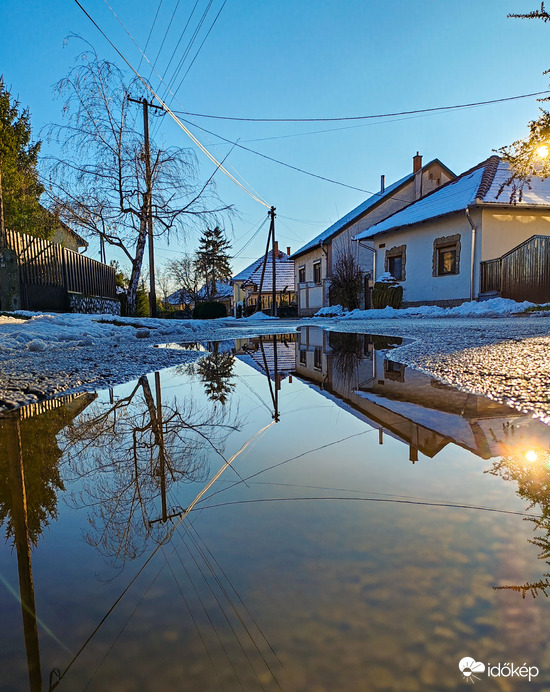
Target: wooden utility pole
[[271, 213], [149, 201]]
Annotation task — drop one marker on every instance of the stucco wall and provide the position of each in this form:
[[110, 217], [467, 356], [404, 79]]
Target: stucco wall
[[310, 299], [504, 231], [419, 284]]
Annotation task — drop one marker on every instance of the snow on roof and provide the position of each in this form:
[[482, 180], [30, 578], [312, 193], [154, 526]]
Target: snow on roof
[[479, 185], [451, 197], [178, 297], [352, 215], [284, 272], [223, 290], [537, 193], [284, 275]]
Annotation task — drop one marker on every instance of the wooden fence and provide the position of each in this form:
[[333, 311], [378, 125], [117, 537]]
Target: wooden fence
[[523, 273], [48, 272]]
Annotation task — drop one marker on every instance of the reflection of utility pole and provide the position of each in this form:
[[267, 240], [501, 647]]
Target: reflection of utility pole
[[158, 431], [23, 548], [149, 201], [273, 391]]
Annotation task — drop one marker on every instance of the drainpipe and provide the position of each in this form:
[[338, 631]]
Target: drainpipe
[[472, 263], [373, 250]]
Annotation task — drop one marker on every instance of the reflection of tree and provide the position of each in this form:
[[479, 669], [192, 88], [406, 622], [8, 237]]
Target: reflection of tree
[[347, 353], [128, 454], [215, 371], [531, 471]]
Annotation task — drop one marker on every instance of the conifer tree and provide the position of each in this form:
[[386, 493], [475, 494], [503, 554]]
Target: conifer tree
[[21, 188], [212, 260]]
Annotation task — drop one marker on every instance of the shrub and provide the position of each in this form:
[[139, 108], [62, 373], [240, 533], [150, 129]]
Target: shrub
[[346, 286], [386, 294], [209, 311]]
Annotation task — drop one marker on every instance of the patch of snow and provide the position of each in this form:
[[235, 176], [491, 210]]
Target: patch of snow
[[260, 316], [488, 308]]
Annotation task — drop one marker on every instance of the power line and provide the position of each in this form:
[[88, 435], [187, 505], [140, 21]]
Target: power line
[[367, 117], [149, 88]]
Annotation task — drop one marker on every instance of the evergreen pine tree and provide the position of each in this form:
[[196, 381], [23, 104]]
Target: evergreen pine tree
[[212, 260], [21, 188]]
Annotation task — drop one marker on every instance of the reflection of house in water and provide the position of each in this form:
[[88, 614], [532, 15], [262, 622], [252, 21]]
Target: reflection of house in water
[[269, 354], [409, 405]]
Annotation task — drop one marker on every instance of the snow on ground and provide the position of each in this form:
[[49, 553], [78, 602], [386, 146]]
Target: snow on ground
[[487, 308], [504, 358]]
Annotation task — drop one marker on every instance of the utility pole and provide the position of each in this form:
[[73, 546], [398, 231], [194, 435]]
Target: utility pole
[[149, 201], [273, 259]]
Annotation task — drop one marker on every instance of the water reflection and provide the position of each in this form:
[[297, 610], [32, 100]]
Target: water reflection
[[346, 594], [127, 454], [417, 409]]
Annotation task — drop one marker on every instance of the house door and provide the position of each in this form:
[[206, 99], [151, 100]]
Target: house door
[[367, 289]]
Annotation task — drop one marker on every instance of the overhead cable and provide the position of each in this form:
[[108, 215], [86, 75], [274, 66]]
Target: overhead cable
[[172, 114], [367, 117]]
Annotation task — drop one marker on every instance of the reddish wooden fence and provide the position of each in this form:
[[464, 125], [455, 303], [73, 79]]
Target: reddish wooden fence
[[48, 272], [523, 273]]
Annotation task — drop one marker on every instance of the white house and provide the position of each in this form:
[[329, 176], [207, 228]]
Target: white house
[[466, 240], [315, 261]]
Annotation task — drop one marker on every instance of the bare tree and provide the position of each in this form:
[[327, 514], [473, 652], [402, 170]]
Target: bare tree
[[98, 184], [186, 276], [346, 285]]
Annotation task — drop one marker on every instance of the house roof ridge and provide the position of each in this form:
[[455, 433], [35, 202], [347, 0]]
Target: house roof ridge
[[491, 167]]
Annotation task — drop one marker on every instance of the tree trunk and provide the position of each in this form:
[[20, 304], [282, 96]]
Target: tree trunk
[[136, 264]]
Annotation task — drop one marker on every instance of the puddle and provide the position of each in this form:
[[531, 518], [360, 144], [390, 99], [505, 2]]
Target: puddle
[[366, 530]]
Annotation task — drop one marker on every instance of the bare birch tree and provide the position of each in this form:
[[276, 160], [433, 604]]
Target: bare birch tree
[[98, 182]]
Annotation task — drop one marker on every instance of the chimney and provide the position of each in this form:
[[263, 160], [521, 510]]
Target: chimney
[[417, 162], [382, 183], [288, 251], [276, 244]]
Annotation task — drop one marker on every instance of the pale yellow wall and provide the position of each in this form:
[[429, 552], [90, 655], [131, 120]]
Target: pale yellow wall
[[61, 237], [503, 231]]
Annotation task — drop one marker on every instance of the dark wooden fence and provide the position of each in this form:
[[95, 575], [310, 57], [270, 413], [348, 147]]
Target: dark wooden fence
[[523, 273], [48, 272]]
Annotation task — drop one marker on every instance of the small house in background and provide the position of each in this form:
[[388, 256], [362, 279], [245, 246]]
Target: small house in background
[[468, 241], [315, 261], [186, 301], [246, 285], [65, 236]]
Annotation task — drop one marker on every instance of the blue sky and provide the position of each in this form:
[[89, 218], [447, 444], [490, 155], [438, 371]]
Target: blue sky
[[305, 60]]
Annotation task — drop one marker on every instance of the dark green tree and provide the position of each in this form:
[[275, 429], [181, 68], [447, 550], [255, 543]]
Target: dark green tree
[[21, 188], [215, 371], [212, 260]]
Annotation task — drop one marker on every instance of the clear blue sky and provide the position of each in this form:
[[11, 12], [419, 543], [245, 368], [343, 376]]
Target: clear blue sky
[[294, 59]]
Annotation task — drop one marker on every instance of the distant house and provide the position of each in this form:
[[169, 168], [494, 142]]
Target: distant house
[[315, 261], [185, 300], [246, 284], [467, 241], [63, 235]]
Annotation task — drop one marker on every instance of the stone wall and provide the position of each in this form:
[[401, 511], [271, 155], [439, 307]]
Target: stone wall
[[93, 305]]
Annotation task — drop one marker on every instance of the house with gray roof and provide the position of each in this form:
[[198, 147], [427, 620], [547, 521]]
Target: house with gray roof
[[469, 239], [315, 261]]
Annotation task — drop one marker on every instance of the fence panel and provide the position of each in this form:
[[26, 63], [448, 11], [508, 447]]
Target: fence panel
[[48, 271], [490, 276]]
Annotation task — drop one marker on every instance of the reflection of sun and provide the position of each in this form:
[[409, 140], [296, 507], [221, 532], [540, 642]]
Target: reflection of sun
[[531, 455]]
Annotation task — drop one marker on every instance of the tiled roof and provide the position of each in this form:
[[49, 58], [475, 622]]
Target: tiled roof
[[284, 274], [223, 290], [484, 184], [362, 209], [456, 195], [352, 215]]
